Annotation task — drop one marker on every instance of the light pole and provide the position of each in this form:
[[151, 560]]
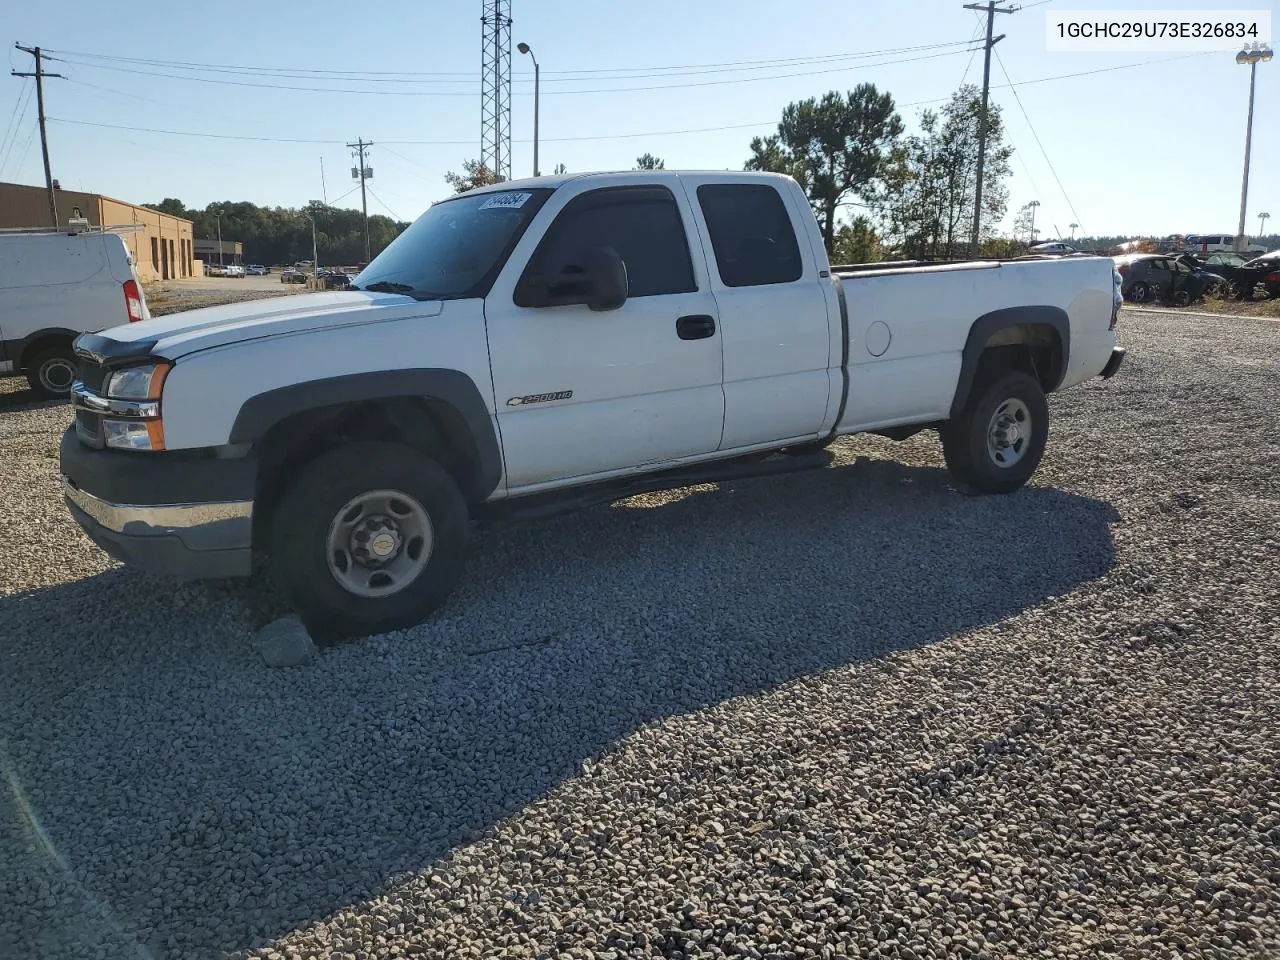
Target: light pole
[[218, 217], [1033, 204], [1262, 221], [310, 214], [1074, 228], [1250, 55], [525, 48]]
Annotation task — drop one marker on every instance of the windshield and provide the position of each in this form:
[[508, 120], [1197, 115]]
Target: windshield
[[456, 248]]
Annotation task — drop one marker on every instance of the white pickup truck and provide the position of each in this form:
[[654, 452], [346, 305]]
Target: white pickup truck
[[542, 344]]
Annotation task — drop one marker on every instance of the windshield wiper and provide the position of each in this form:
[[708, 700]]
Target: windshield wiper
[[386, 286]]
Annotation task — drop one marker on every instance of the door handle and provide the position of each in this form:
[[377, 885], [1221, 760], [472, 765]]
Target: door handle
[[696, 327]]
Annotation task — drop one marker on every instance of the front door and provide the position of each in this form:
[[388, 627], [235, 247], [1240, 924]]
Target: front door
[[581, 393]]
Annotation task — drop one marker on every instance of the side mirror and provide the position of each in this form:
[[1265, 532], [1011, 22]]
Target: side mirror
[[599, 281], [607, 285]]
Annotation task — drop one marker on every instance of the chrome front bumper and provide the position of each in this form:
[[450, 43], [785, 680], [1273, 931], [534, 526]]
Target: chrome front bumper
[[183, 540]]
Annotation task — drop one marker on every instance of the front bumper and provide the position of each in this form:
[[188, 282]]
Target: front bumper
[[181, 518], [1113, 364]]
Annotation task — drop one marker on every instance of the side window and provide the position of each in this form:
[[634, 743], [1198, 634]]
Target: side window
[[642, 224], [751, 234]]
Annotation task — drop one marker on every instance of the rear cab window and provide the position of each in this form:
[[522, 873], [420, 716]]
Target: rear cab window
[[751, 234]]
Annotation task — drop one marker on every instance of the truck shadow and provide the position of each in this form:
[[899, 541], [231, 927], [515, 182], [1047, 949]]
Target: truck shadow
[[179, 797]]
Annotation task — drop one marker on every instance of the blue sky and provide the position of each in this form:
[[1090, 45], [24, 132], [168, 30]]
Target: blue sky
[[1153, 149]]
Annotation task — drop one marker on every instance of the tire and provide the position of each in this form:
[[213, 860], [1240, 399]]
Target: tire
[[971, 442], [1139, 293], [1182, 298], [52, 371], [310, 516]]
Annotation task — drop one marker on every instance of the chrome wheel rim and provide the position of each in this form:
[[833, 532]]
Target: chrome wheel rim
[[56, 375], [379, 543], [1139, 293], [1009, 433]]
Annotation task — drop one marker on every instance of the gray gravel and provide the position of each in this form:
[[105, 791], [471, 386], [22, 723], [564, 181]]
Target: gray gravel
[[850, 712]]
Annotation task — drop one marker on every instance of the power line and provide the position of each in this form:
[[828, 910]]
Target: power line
[[1031, 127], [468, 95], [977, 30], [385, 207], [607, 136], [414, 76], [11, 130], [25, 92]]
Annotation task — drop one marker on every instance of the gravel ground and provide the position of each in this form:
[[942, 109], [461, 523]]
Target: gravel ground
[[849, 712]]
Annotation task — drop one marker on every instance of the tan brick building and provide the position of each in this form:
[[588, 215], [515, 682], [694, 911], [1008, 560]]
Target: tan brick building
[[161, 247]]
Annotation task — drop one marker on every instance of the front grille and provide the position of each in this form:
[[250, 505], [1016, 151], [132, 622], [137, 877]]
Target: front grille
[[93, 375]]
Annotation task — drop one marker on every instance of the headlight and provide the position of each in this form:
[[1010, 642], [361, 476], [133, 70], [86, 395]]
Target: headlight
[[133, 434], [138, 383]]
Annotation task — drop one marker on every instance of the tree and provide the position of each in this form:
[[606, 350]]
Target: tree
[[835, 147], [276, 235], [856, 242], [1023, 220], [560, 170], [649, 162], [173, 207], [474, 174], [929, 185]]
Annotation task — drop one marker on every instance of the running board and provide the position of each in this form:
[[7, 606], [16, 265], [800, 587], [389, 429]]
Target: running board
[[542, 506]]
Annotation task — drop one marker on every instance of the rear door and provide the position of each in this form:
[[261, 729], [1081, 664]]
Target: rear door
[[580, 393], [773, 311]]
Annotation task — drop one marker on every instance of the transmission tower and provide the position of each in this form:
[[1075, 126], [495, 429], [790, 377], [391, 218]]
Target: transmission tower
[[495, 88]]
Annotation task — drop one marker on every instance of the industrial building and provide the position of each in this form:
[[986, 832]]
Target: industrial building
[[161, 244], [220, 251]]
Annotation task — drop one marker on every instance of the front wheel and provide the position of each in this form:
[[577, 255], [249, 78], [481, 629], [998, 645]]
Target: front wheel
[[371, 537], [1139, 293], [52, 372], [997, 441]]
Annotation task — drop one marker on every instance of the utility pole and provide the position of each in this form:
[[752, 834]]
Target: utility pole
[[364, 173], [991, 9], [40, 74], [1033, 204]]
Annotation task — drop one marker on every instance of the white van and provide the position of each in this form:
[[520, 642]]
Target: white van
[[55, 286], [1217, 243]]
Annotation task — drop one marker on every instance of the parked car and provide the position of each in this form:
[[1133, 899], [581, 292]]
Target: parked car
[[1150, 277], [235, 270], [334, 279], [215, 270], [291, 275], [54, 286], [543, 345], [1259, 275], [1215, 260], [1054, 247], [256, 270]]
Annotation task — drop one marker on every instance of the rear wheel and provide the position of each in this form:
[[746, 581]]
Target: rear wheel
[[52, 371], [997, 441], [371, 537]]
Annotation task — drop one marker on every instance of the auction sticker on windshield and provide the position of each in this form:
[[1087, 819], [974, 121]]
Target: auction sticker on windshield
[[506, 201]]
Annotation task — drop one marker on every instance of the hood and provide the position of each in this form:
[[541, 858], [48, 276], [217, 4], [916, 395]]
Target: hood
[[178, 334]]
